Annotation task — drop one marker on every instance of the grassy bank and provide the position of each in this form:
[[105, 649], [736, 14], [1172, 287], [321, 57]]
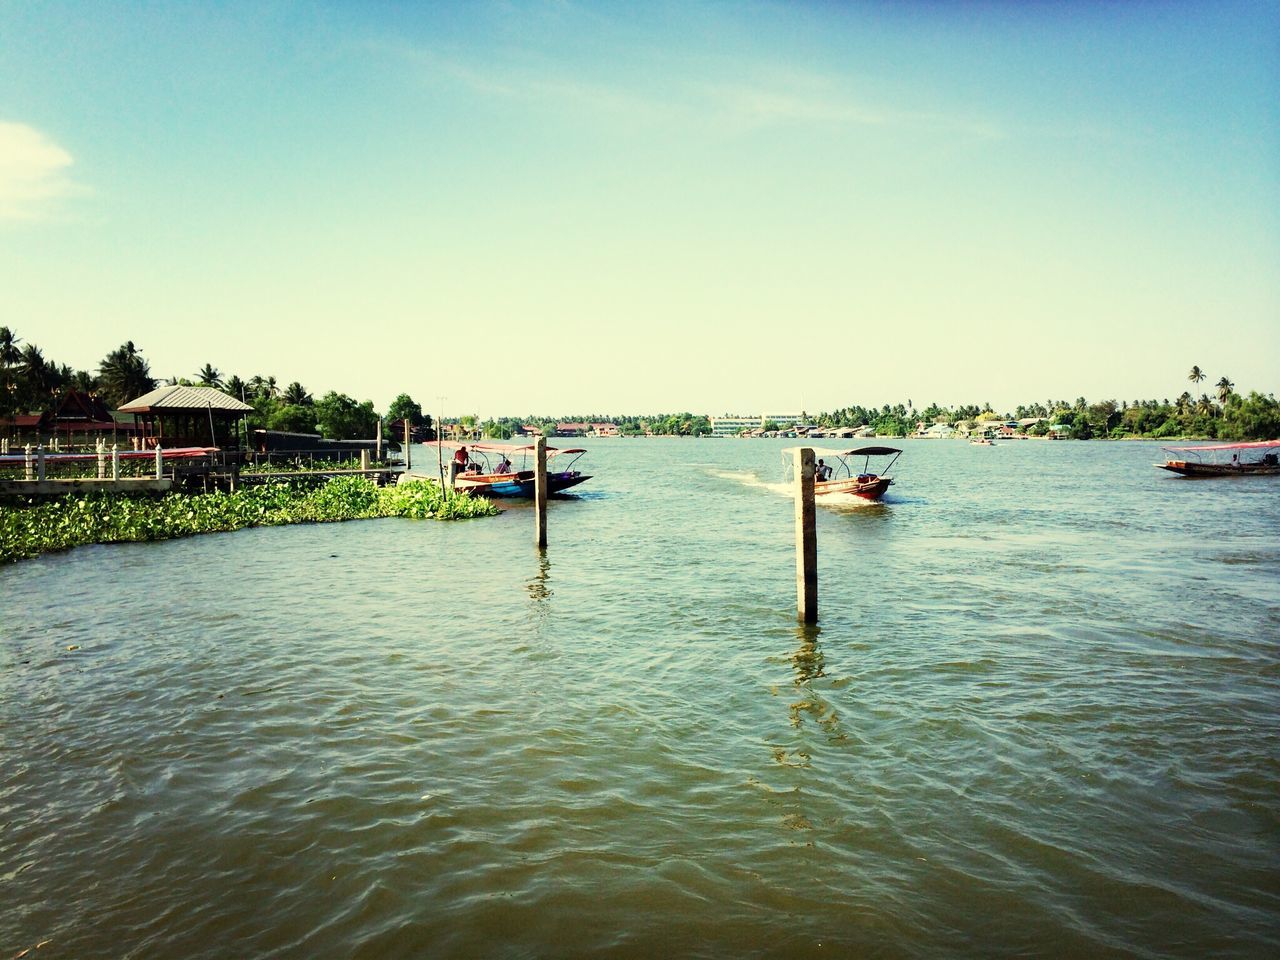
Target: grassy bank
[[27, 531]]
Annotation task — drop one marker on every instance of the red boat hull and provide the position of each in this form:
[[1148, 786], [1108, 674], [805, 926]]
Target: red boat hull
[[868, 487]]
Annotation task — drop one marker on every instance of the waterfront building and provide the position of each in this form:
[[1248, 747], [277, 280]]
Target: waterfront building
[[732, 426]]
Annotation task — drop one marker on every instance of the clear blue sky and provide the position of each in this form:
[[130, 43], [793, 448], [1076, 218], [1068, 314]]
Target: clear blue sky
[[560, 207]]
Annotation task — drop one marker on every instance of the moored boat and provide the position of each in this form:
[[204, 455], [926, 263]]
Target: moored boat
[[490, 468], [1260, 458]]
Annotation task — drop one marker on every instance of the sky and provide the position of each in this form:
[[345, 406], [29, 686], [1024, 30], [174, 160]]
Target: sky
[[556, 208]]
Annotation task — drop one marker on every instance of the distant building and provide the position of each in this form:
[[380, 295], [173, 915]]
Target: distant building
[[728, 426]]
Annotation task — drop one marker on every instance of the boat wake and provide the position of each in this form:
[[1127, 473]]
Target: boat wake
[[841, 501]]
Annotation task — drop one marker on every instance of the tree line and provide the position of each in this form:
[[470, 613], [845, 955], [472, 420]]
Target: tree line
[[30, 383]]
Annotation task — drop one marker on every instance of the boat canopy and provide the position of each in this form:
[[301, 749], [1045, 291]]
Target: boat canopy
[[1255, 445], [871, 452], [855, 452], [507, 449]]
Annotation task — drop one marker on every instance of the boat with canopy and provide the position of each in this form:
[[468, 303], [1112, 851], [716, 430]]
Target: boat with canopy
[[504, 469], [837, 472], [1225, 459]]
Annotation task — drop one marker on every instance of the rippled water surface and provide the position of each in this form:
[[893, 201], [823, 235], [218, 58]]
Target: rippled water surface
[[1040, 717]]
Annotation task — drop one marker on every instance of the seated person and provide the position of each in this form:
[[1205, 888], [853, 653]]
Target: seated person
[[822, 471], [504, 466]]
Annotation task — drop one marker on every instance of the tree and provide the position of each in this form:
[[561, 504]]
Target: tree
[[295, 394], [209, 376], [1225, 387], [1255, 417], [293, 418], [124, 375], [1196, 375], [403, 407], [235, 386], [341, 418]]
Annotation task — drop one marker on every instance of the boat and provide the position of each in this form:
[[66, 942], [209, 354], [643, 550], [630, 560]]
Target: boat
[[835, 476], [982, 442], [1259, 458], [486, 475]]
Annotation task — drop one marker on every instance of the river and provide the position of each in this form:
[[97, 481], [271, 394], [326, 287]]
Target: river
[[1040, 716]]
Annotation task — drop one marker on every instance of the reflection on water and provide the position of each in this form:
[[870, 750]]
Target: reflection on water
[[538, 587], [1037, 718]]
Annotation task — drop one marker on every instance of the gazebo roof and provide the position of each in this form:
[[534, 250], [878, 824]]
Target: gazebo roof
[[175, 399]]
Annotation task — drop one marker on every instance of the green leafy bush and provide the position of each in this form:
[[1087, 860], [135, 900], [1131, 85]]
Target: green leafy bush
[[27, 530]]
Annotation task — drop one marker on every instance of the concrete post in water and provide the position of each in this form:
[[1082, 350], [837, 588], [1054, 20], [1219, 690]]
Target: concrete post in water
[[540, 490], [408, 436], [806, 539], [40, 462], [159, 464], [115, 462]]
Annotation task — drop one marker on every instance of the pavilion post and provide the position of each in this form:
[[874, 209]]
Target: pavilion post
[[806, 539], [540, 492]]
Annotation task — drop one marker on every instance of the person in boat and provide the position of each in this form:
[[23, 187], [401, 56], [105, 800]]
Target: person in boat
[[822, 471], [459, 464], [504, 466]]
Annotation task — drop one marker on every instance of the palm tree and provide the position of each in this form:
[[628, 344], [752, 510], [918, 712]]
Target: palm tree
[[209, 376], [296, 395], [124, 375], [1205, 405], [1196, 375], [234, 386], [9, 354], [1225, 387]]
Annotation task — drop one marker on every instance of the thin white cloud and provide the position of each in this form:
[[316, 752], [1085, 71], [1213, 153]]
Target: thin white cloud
[[33, 173], [787, 98]]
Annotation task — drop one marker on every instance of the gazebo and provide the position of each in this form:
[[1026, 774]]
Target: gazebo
[[187, 417]]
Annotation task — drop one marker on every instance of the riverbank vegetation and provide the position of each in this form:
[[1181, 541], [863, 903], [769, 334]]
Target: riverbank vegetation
[[31, 383], [30, 529]]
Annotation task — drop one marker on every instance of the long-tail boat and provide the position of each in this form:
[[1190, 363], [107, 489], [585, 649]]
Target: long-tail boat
[[1225, 459]]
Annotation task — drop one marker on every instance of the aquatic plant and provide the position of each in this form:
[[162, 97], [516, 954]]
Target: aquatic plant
[[32, 528]]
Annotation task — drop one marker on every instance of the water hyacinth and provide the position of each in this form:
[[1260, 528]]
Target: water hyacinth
[[76, 520]]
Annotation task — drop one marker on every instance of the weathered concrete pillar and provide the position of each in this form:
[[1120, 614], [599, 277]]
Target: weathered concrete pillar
[[115, 462], [28, 465], [40, 462], [101, 448], [806, 539], [364, 460], [159, 463], [540, 491], [408, 436]]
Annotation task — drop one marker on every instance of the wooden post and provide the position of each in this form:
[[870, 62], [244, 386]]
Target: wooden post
[[540, 491], [408, 436], [806, 539]]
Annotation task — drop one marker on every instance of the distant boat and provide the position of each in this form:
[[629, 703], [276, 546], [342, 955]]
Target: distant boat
[[491, 469], [982, 442], [840, 477], [1225, 460]]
